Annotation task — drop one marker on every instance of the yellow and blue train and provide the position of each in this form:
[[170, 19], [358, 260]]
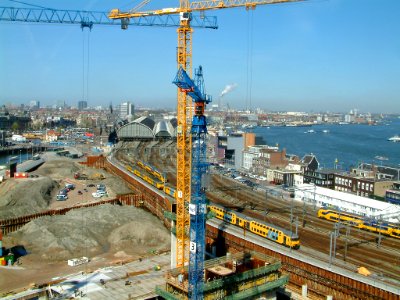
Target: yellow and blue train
[[158, 184], [385, 228], [266, 230], [170, 191], [152, 170], [153, 181]]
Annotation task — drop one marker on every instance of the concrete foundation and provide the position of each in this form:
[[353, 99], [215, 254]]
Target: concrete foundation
[[236, 276]]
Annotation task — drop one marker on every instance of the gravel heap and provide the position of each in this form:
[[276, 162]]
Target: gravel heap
[[93, 231], [58, 168], [20, 197]]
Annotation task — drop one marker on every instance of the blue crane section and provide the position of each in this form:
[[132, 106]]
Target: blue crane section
[[89, 18], [197, 205]]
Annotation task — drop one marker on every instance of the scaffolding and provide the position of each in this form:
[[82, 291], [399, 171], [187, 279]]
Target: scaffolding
[[248, 275]]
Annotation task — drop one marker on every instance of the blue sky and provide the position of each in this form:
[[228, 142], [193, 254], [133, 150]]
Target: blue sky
[[318, 55]]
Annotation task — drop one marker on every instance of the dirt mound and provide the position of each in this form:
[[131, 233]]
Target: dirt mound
[[59, 168], [93, 231], [20, 197]]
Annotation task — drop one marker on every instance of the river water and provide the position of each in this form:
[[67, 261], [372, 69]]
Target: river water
[[20, 155], [350, 144]]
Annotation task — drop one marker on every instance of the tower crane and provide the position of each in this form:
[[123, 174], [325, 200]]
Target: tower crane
[[184, 142], [197, 207], [87, 18]]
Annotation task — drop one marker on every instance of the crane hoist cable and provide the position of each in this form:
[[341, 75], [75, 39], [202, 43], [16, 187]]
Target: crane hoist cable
[[85, 64], [29, 4], [249, 62]]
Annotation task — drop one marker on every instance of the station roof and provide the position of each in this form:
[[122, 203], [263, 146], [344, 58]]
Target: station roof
[[145, 127]]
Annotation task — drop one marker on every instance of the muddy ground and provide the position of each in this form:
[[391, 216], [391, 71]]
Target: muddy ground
[[106, 234]]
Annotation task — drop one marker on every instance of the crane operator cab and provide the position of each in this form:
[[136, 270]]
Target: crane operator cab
[[185, 16]]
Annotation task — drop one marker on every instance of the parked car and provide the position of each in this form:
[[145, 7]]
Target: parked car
[[63, 192], [101, 187], [61, 197], [99, 194], [70, 186]]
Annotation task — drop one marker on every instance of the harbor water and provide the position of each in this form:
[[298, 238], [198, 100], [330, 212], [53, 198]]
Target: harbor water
[[349, 144], [21, 156]]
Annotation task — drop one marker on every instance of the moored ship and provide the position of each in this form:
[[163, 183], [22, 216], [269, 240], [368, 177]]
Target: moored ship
[[394, 139]]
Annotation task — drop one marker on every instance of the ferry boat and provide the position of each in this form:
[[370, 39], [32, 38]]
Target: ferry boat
[[394, 139]]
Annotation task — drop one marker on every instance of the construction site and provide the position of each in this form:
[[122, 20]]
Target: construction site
[[238, 276], [131, 230], [152, 219]]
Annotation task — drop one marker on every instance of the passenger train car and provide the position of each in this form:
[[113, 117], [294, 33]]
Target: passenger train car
[[266, 230], [170, 191], [385, 228], [154, 182], [152, 170]]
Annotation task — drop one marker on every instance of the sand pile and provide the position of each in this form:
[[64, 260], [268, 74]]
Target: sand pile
[[93, 231], [59, 168], [20, 197]]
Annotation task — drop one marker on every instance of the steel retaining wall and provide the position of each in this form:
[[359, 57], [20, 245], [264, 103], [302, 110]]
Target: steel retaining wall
[[13, 224], [152, 201]]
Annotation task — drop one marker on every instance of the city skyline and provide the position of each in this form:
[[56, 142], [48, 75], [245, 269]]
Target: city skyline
[[305, 56]]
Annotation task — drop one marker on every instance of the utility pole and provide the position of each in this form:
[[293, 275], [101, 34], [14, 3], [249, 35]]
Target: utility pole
[[330, 250], [378, 245], [291, 217], [315, 204], [347, 236], [291, 222], [335, 237]]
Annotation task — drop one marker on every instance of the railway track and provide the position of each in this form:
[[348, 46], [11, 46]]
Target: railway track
[[354, 249], [358, 248]]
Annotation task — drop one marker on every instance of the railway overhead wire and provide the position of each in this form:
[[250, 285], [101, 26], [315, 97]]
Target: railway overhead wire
[[357, 248]]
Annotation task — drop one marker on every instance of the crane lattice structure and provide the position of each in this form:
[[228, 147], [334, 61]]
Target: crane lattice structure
[[184, 142], [197, 207], [89, 18]]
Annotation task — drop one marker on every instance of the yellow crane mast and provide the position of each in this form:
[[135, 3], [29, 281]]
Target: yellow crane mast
[[184, 59], [184, 141]]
